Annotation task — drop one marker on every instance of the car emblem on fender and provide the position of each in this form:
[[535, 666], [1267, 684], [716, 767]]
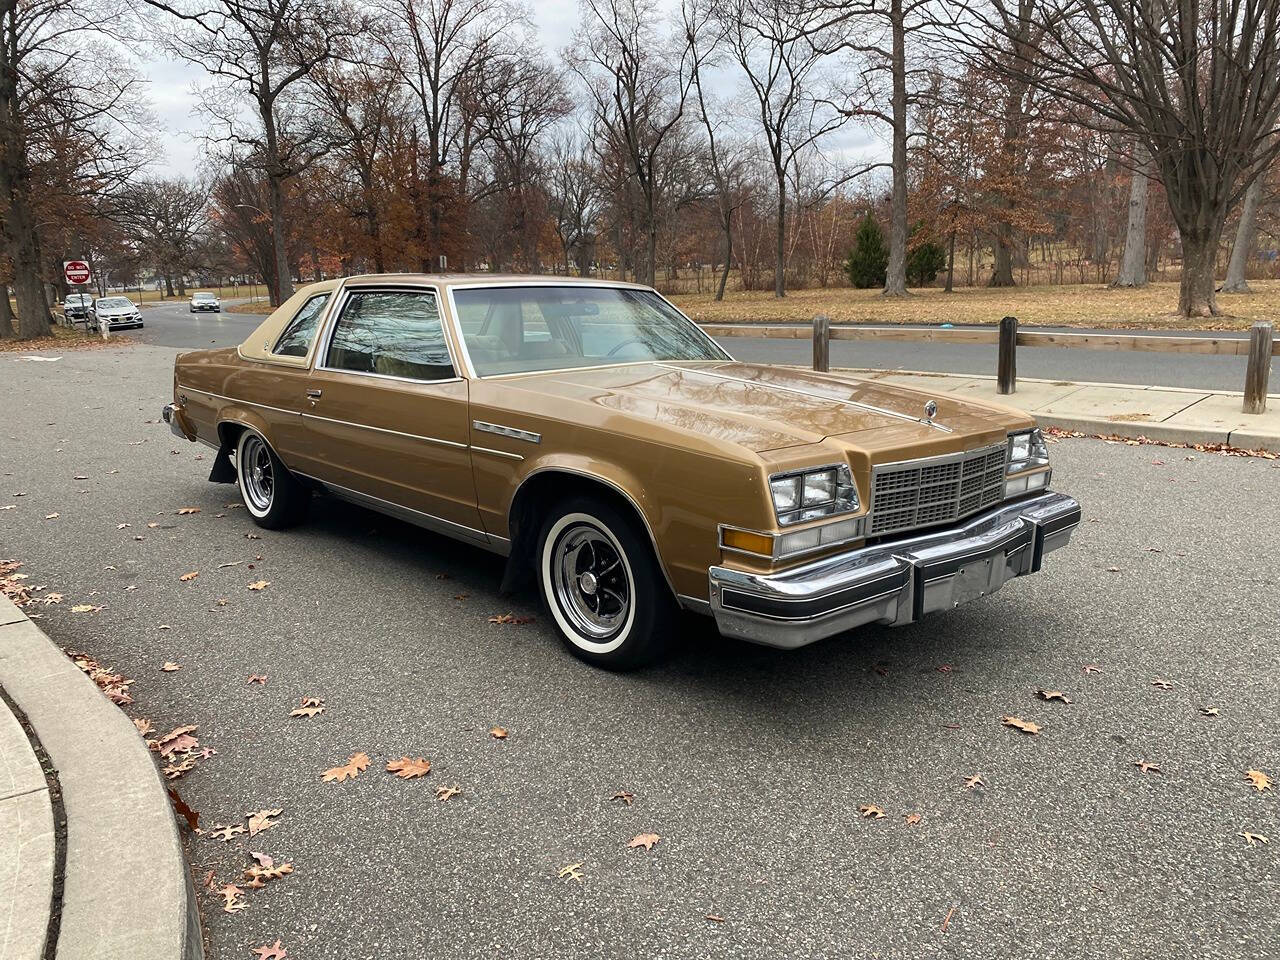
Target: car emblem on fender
[[930, 410]]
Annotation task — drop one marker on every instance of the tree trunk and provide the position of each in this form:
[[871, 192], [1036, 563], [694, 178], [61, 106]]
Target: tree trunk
[[1002, 271], [780, 265], [1133, 266], [1199, 256], [895, 284], [6, 315], [951, 262], [728, 257], [284, 283], [1246, 233], [168, 285]]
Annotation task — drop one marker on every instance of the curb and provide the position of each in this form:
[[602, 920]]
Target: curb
[[121, 836]]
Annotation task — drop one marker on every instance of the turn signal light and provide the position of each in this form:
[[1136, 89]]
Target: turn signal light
[[750, 542]]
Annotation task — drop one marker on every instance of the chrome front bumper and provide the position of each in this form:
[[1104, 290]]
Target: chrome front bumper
[[894, 583]]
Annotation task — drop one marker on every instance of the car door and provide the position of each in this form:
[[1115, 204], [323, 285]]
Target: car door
[[387, 413]]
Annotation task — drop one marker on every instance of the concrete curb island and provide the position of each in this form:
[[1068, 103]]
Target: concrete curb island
[[1169, 414], [125, 891]]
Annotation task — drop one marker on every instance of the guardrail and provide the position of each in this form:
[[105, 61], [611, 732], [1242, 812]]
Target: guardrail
[[1259, 346]]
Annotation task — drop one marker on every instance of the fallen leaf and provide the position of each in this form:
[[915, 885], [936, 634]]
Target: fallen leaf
[[121, 526], [1259, 780], [349, 770], [260, 820], [180, 807], [259, 584], [51, 516], [407, 769], [498, 733], [571, 872], [1026, 726], [947, 919], [258, 678], [51, 598], [1145, 766], [1208, 711], [85, 608], [262, 859], [177, 740], [1162, 684], [273, 952], [624, 796], [258, 876], [186, 511], [171, 667], [220, 832], [511, 618], [1253, 839], [189, 576], [870, 811], [1113, 570], [152, 525], [911, 819], [444, 793], [972, 783], [646, 840], [231, 898], [79, 476], [206, 753], [144, 725], [211, 880], [1053, 695], [310, 705], [173, 771], [1091, 668]]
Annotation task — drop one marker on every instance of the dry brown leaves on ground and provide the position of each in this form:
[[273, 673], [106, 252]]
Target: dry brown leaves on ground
[[972, 783], [275, 951], [646, 840], [624, 796], [870, 811], [181, 809], [572, 871], [231, 901], [1053, 695], [188, 577], [259, 584], [1253, 839], [445, 793], [1025, 726], [511, 618], [406, 768], [171, 667], [261, 820], [1145, 766], [1223, 449], [258, 678], [1259, 780], [310, 705], [225, 833], [356, 763], [113, 685], [498, 733], [258, 876], [911, 819]]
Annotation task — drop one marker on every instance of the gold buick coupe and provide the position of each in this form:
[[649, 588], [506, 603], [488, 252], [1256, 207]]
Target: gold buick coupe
[[615, 454]]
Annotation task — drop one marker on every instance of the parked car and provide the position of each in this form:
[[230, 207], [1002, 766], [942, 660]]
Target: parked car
[[620, 458], [205, 301], [77, 307], [114, 313]]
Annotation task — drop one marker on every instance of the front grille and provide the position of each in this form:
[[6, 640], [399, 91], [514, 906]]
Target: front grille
[[924, 493]]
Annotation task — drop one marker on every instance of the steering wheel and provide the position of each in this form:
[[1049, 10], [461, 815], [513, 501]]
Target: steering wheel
[[624, 343]]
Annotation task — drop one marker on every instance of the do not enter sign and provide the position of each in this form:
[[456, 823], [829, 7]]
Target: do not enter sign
[[76, 272]]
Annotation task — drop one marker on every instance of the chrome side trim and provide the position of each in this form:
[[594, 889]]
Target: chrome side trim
[[695, 605], [251, 403], [504, 431], [397, 433], [812, 396], [496, 453], [653, 541], [427, 521]]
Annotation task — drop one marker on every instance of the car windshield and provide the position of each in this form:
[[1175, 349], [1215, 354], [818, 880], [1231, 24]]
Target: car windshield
[[78, 299], [204, 296], [114, 303], [520, 329]]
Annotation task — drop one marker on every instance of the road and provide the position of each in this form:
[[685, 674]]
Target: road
[[171, 324], [751, 764]]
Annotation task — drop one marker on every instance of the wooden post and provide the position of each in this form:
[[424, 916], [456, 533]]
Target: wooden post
[[1007, 364], [1259, 369], [822, 343]]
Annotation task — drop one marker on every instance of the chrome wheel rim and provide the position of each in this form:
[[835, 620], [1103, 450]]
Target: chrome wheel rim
[[591, 581], [257, 479]]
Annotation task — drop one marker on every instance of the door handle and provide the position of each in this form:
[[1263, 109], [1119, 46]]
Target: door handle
[[314, 394]]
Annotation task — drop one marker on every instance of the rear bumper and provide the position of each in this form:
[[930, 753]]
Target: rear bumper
[[175, 416], [894, 583]]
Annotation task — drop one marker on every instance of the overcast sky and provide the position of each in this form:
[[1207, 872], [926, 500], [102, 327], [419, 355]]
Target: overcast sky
[[171, 85]]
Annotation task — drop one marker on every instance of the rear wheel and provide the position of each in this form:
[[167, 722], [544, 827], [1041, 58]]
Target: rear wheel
[[601, 583], [272, 495]]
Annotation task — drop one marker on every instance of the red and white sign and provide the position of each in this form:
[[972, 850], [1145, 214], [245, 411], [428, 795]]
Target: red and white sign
[[76, 272]]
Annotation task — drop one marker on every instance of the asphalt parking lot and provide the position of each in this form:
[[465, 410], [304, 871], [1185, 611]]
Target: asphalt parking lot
[[750, 764]]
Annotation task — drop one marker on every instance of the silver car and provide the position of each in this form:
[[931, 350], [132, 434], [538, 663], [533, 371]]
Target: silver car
[[114, 313], [205, 301]]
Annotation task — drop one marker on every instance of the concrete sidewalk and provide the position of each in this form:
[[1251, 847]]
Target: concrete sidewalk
[[1171, 414]]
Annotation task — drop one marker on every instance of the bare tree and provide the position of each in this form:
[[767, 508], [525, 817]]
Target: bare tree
[[780, 49], [1133, 263], [1246, 235], [1197, 85], [262, 52], [637, 85], [166, 219], [576, 201]]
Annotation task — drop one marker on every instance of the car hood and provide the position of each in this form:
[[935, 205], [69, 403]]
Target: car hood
[[116, 311], [766, 408]]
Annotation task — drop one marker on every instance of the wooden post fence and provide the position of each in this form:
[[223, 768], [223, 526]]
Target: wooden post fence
[[1259, 369], [1007, 362], [822, 343]]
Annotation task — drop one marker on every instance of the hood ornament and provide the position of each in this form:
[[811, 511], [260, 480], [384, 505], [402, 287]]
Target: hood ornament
[[930, 410]]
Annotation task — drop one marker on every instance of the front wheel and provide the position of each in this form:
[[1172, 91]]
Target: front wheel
[[602, 585], [272, 495]]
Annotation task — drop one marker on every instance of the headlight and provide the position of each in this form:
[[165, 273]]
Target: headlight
[[808, 494], [1027, 451]]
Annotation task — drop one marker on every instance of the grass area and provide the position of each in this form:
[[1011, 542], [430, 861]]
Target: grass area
[[1077, 305], [260, 307], [64, 338], [223, 293]]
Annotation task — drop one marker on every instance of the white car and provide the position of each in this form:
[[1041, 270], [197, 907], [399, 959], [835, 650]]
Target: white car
[[114, 313], [205, 301]]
